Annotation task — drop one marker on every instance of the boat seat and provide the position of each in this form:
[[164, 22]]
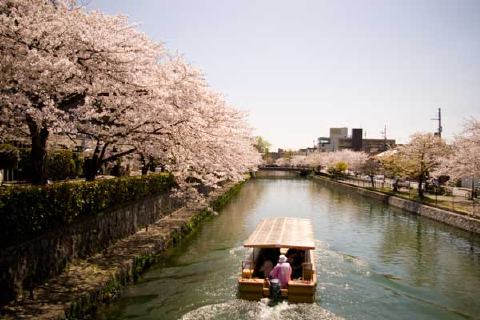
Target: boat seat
[[307, 271], [247, 273], [247, 269]]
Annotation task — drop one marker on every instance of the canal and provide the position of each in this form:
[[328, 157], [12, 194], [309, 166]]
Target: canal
[[373, 262]]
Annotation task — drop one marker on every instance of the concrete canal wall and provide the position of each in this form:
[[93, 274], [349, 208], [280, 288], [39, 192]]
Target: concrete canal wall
[[451, 218], [75, 293]]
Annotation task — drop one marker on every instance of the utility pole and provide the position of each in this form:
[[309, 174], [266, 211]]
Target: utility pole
[[439, 118], [384, 133]]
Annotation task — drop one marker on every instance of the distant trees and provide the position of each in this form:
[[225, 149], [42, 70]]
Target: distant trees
[[351, 160], [298, 161], [262, 146], [78, 73], [424, 156]]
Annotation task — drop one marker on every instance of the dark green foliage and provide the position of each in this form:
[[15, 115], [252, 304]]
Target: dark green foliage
[[78, 160], [60, 165], [25, 168], [28, 211], [9, 156], [118, 170]]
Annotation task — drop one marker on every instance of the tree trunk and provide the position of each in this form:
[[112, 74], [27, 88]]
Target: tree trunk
[[373, 181], [91, 167], [143, 161], [473, 189], [38, 154], [421, 177], [395, 185], [420, 185]]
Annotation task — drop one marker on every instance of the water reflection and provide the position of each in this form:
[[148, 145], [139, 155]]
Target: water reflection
[[373, 262]]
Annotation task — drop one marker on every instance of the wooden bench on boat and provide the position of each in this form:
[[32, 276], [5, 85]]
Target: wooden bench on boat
[[279, 235]]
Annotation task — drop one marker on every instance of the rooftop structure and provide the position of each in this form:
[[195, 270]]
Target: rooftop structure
[[282, 233], [339, 140]]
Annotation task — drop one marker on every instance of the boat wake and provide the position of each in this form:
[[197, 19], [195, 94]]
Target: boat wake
[[242, 309]]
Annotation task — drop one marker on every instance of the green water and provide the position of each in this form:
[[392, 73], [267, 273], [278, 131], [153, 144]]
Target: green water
[[373, 262]]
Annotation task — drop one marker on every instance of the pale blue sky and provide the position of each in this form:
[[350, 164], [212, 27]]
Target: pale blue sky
[[301, 67]]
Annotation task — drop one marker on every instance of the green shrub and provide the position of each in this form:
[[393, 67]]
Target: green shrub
[[29, 211], [25, 168], [60, 165], [339, 169], [78, 160], [117, 170], [9, 156]]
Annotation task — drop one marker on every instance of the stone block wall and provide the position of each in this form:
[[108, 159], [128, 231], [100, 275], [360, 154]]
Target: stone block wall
[[28, 264]]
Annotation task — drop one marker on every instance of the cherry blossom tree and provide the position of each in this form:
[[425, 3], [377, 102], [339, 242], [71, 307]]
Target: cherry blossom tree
[[464, 161], [94, 76], [56, 58], [282, 162], [315, 160], [391, 165], [298, 161], [421, 156], [370, 167], [201, 138], [353, 159], [120, 76], [35, 74]]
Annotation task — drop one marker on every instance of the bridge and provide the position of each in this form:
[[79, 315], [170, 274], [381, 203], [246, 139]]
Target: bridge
[[300, 171], [278, 168]]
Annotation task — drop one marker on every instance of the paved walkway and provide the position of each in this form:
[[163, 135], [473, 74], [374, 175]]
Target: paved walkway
[[457, 203]]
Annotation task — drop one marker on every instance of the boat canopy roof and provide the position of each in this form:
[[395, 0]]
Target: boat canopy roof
[[282, 233]]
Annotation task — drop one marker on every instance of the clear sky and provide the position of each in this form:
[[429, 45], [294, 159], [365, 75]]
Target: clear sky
[[301, 67]]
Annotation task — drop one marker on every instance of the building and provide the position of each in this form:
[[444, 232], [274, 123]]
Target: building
[[339, 140], [305, 151], [334, 141]]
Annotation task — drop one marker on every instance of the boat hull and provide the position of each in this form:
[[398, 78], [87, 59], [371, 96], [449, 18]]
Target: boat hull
[[298, 291]]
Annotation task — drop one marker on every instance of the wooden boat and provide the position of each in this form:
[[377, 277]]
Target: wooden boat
[[271, 238]]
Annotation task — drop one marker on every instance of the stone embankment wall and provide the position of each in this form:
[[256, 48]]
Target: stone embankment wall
[[26, 265], [84, 284], [451, 218]]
